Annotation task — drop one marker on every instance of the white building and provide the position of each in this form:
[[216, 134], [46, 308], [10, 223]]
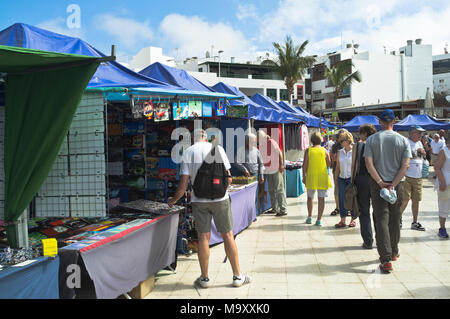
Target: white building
[[150, 55], [392, 77], [441, 73]]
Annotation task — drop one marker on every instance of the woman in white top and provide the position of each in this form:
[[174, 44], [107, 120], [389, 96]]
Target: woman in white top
[[442, 169], [344, 173]]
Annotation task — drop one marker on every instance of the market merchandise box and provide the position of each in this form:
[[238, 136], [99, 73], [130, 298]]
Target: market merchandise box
[[143, 289], [243, 180]]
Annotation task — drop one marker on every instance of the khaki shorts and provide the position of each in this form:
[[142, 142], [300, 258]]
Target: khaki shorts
[[205, 212], [413, 189]]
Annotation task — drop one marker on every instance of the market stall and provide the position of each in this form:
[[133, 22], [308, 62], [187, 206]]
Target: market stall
[[424, 120], [119, 258], [35, 278], [243, 209]]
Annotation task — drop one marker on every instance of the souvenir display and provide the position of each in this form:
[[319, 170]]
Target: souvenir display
[[11, 256], [180, 110], [243, 179], [220, 108], [162, 112], [195, 109], [207, 109]]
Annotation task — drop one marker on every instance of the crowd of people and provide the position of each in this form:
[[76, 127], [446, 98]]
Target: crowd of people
[[382, 170]]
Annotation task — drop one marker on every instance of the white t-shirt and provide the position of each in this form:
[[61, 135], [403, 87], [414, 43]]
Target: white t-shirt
[[330, 145], [436, 146], [193, 158], [345, 163], [416, 162]]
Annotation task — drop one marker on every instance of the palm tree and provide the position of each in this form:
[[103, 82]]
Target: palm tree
[[341, 77], [291, 64]]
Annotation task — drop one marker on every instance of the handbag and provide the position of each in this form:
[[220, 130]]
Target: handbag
[[351, 192]]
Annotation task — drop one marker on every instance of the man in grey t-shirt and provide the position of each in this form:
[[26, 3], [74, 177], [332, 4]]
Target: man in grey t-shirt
[[387, 155]]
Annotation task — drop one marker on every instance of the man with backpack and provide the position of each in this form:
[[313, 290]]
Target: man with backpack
[[207, 166]]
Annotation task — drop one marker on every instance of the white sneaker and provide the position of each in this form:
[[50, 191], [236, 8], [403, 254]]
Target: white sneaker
[[241, 280], [203, 282]]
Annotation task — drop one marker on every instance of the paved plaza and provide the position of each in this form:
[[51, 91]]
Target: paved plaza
[[288, 258]]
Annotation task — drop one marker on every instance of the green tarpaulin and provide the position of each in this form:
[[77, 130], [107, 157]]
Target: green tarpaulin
[[43, 90]]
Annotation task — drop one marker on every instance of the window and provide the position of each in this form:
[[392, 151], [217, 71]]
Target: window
[[441, 81], [284, 95], [441, 66], [299, 92], [334, 59], [272, 93], [318, 72]]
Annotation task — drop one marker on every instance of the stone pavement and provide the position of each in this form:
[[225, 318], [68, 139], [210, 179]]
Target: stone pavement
[[290, 259]]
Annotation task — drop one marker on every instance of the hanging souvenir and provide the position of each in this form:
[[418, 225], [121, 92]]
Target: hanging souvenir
[[207, 109], [195, 109], [162, 112], [180, 110], [148, 110], [220, 108]]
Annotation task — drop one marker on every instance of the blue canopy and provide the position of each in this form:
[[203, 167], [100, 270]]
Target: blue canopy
[[255, 111], [111, 74], [310, 120], [423, 120], [175, 77], [357, 121], [269, 103]]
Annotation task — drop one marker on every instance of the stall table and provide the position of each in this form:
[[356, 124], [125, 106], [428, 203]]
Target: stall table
[[294, 183], [34, 279], [118, 263], [243, 209]]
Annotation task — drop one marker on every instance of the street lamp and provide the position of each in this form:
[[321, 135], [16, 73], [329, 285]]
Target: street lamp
[[220, 51]]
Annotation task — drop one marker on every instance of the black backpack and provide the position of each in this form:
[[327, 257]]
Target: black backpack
[[211, 181]]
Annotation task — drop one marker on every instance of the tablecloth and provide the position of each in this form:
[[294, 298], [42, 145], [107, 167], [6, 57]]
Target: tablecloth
[[243, 209], [294, 183], [37, 280]]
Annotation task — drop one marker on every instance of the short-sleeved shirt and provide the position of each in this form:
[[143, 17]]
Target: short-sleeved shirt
[[416, 162], [270, 156], [193, 158], [388, 149], [436, 147]]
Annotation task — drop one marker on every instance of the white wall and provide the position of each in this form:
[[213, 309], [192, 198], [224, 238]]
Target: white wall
[[381, 79], [419, 72], [247, 85]]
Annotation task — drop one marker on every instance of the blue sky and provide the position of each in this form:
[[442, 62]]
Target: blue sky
[[242, 29]]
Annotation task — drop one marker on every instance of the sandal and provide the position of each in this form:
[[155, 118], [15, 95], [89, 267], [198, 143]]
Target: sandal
[[335, 212], [340, 225], [352, 224]]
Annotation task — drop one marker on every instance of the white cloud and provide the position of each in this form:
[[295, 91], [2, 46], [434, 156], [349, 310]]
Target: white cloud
[[246, 12], [193, 36], [127, 31], [371, 23], [59, 25]]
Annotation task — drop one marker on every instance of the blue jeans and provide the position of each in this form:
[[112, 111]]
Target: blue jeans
[[342, 184]]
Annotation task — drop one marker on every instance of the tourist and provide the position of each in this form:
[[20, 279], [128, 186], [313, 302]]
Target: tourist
[[251, 163], [442, 135], [442, 169], [204, 209], [426, 146], [387, 156], [362, 182], [330, 143], [274, 168], [413, 182], [344, 171], [315, 176], [333, 154], [436, 145]]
